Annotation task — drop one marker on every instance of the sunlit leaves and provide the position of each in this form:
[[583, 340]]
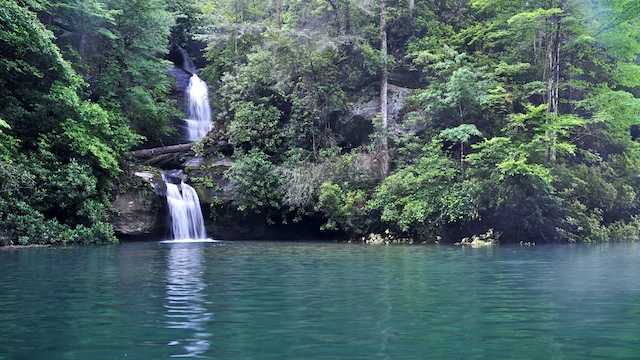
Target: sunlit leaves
[[61, 148], [26, 44], [618, 109], [258, 125], [461, 133], [535, 15], [256, 186], [627, 74], [339, 206], [420, 198]]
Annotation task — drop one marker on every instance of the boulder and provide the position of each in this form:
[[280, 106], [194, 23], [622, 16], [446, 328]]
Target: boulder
[[490, 238], [139, 211]]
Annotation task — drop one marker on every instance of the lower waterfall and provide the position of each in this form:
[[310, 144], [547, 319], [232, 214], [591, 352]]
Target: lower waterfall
[[185, 213]]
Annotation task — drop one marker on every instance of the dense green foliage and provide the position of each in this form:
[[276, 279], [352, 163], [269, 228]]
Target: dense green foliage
[[521, 121], [82, 82], [522, 115]]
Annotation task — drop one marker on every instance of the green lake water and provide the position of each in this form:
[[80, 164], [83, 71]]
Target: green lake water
[[280, 300]]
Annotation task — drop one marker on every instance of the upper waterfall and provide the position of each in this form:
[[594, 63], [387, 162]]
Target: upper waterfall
[[199, 121], [186, 62]]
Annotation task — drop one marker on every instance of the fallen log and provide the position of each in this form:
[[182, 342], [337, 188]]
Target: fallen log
[[160, 161], [161, 150]]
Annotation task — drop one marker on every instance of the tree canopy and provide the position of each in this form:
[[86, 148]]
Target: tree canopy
[[518, 116]]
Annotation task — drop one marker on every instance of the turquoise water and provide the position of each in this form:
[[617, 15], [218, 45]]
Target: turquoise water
[[254, 300]]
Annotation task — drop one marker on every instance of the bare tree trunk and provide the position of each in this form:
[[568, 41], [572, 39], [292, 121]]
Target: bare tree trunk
[[384, 141], [238, 22], [410, 8], [409, 27], [276, 46], [235, 44], [535, 50], [347, 19], [553, 58], [336, 15]]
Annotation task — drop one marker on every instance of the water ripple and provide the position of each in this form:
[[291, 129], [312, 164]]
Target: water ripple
[[320, 301]]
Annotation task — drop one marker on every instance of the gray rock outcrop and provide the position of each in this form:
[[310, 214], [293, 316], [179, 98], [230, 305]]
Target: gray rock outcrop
[[139, 212]]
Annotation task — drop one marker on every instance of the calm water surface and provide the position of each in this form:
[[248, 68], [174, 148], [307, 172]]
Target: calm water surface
[[254, 300]]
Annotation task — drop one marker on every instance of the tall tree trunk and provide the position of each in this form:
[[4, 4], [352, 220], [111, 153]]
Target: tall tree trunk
[[347, 18], [553, 59], [412, 5], [336, 14], [237, 22], [235, 44], [276, 46], [384, 141], [410, 8]]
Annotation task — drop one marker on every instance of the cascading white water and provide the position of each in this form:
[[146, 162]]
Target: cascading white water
[[185, 213], [199, 121]]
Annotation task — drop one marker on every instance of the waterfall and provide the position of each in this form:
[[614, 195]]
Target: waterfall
[[199, 121], [186, 64], [184, 212]]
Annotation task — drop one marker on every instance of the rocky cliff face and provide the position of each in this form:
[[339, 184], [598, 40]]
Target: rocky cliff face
[[138, 211], [354, 125]]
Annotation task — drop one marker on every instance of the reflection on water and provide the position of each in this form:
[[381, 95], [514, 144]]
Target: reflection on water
[[186, 299], [271, 301]]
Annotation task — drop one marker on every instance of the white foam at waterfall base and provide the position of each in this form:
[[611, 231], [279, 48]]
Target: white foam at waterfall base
[[187, 223], [199, 121], [189, 241]]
